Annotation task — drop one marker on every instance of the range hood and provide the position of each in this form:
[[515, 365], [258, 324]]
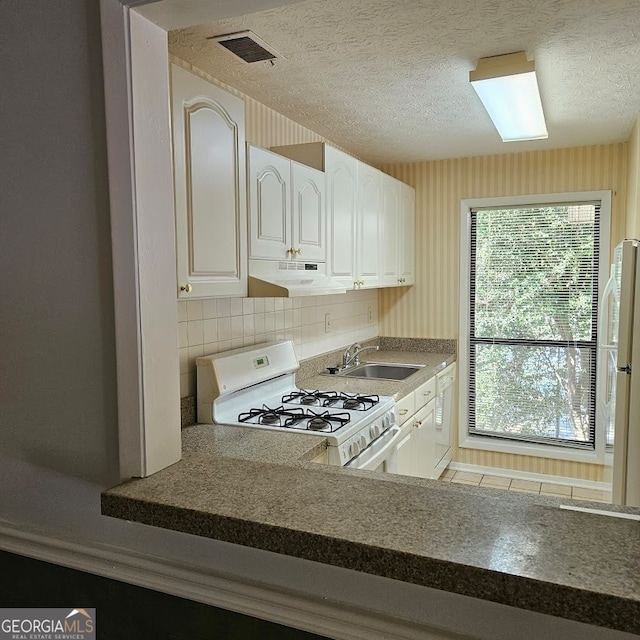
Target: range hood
[[289, 279]]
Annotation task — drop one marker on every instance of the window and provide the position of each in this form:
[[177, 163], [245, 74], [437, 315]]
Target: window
[[531, 309]]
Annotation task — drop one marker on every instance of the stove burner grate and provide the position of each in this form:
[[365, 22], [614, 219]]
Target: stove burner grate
[[269, 417], [312, 421], [354, 402], [307, 397], [318, 424]]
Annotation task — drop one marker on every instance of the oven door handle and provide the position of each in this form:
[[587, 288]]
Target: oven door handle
[[377, 451]]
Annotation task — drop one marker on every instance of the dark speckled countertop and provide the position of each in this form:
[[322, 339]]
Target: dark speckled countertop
[[260, 489]]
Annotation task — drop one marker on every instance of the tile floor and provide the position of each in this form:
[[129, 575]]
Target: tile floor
[[525, 486]]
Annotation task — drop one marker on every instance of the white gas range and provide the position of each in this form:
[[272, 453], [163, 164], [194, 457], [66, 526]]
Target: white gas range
[[255, 387]]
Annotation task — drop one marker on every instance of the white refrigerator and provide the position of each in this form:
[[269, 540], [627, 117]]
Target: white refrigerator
[[619, 371]]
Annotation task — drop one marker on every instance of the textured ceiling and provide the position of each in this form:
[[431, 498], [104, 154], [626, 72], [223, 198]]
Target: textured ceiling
[[388, 79]]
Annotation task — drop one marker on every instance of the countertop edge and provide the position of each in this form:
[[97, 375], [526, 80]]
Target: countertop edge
[[580, 605]]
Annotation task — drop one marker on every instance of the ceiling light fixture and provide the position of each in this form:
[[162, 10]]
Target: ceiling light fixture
[[508, 88]]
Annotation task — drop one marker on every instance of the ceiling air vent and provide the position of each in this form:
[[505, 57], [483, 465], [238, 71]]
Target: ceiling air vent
[[247, 46]]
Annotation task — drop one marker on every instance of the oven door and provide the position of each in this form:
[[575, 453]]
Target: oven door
[[380, 455]]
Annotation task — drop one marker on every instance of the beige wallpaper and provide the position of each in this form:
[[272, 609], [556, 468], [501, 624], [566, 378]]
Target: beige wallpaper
[[633, 184], [430, 308], [534, 464]]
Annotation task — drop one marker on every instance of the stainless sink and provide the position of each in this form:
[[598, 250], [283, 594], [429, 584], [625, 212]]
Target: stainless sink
[[381, 371]]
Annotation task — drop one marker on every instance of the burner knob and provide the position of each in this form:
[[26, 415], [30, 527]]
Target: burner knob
[[354, 449], [374, 431], [363, 443]]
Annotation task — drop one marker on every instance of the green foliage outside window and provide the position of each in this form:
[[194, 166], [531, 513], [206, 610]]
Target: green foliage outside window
[[534, 284]]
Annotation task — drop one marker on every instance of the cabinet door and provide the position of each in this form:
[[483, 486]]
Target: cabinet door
[[406, 271], [269, 176], [308, 213], [390, 231], [210, 191], [341, 173], [424, 441], [368, 226], [405, 455]]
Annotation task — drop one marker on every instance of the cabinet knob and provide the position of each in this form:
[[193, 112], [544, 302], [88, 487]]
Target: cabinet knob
[[186, 288], [417, 423], [298, 252]]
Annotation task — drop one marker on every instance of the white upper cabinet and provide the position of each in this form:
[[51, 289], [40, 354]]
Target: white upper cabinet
[[210, 191], [269, 204], [398, 233], [286, 208], [308, 213], [407, 254], [390, 232], [368, 221], [341, 171]]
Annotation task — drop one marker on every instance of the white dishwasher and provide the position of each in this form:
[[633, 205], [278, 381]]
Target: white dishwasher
[[444, 418]]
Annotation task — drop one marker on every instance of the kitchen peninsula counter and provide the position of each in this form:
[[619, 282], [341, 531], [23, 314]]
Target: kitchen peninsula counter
[[261, 489]]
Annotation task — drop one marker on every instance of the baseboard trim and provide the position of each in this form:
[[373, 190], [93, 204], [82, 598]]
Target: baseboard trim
[[528, 475], [219, 590]]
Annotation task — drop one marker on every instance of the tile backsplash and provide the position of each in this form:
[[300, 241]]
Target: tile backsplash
[[211, 325]]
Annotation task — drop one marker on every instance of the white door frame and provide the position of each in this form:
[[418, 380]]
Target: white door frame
[[143, 244]]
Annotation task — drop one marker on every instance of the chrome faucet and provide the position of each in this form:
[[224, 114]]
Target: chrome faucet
[[349, 358]]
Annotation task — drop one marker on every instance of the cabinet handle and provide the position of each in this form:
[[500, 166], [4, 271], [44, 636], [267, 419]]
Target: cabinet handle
[[404, 412], [427, 394], [187, 288]]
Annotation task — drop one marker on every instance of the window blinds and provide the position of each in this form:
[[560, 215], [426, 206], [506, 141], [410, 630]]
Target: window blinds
[[533, 323]]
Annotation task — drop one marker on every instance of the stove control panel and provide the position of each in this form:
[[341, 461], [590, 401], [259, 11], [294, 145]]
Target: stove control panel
[[262, 361], [360, 441]]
